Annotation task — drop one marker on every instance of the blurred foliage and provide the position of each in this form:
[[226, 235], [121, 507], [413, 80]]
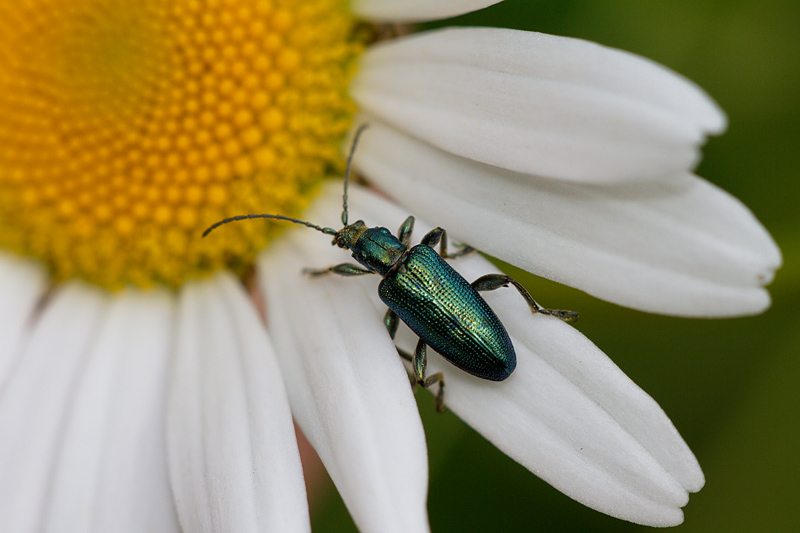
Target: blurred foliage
[[728, 385]]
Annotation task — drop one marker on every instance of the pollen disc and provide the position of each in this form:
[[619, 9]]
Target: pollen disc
[[128, 126]]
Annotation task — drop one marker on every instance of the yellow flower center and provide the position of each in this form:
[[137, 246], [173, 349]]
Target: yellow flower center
[[128, 126]]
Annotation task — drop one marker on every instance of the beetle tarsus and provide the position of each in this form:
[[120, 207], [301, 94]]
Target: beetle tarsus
[[439, 236], [463, 249], [563, 314], [343, 269]]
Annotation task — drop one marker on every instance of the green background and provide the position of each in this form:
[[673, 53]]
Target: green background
[[730, 386]]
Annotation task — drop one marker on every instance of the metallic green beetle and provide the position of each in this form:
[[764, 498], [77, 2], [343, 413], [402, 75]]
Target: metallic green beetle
[[421, 289]]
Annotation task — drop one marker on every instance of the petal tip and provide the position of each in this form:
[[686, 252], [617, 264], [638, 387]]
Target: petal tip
[[415, 10]]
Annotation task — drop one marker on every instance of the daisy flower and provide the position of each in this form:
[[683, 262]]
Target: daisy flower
[[139, 388]]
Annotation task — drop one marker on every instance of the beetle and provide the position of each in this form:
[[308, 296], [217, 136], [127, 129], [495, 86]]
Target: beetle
[[420, 288]]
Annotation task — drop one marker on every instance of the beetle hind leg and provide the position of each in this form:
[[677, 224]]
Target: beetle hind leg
[[490, 282]]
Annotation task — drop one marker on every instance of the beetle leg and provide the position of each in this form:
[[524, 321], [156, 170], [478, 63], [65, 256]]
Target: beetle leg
[[463, 249], [439, 236], [404, 233], [490, 282], [410, 358], [343, 269], [433, 237], [391, 321], [419, 362]]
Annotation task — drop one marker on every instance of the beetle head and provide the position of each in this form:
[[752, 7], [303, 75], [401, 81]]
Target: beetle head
[[348, 235]]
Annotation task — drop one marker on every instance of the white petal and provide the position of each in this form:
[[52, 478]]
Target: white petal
[[414, 10], [538, 104], [683, 247], [233, 456], [281, 491], [22, 284], [36, 398], [348, 389], [567, 413], [111, 472], [574, 419]]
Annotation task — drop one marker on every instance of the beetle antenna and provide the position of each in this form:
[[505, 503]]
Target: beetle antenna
[[359, 131], [328, 231]]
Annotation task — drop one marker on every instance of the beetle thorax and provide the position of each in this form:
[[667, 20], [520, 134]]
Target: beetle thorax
[[377, 249]]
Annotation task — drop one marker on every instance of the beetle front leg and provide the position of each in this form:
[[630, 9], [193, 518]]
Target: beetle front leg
[[343, 269], [490, 282], [439, 236], [419, 362]]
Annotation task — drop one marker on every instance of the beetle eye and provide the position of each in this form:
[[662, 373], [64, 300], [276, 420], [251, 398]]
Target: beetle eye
[[340, 242]]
